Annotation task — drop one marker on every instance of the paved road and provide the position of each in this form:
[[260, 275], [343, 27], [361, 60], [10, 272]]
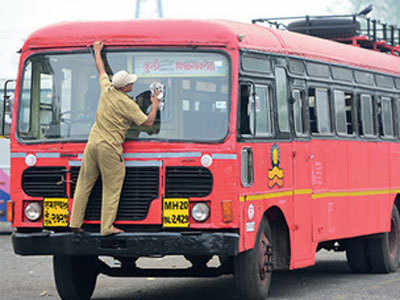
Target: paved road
[[31, 278]]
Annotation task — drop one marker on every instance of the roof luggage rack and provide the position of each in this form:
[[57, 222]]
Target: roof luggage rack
[[354, 29]]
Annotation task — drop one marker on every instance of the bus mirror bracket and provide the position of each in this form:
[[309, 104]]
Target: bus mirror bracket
[[6, 103]]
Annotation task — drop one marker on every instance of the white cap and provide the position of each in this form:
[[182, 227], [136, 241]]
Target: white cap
[[123, 78]]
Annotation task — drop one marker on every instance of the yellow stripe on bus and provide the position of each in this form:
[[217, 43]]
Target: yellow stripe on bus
[[267, 196], [278, 194], [303, 192], [351, 194]]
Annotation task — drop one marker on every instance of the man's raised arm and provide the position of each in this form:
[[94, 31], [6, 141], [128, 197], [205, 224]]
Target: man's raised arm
[[97, 47]]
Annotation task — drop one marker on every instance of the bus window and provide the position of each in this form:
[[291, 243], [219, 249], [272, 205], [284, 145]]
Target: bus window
[[344, 112], [385, 117], [25, 99], [298, 113], [281, 99], [263, 111], [366, 120], [255, 114], [319, 110], [196, 99], [256, 63]]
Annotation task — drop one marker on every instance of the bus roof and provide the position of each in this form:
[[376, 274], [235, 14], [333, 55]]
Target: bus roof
[[208, 33]]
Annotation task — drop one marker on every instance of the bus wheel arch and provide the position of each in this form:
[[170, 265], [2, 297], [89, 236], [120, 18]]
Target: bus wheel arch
[[280, 238]]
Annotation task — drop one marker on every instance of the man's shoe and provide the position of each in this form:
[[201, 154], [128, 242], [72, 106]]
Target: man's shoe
[[116, 230]]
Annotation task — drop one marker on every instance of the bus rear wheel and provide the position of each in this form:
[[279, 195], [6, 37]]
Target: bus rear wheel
[[75, 276], [384, 251], [253, 268]]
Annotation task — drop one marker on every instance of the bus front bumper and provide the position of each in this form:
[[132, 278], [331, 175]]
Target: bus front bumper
[[126, 244]]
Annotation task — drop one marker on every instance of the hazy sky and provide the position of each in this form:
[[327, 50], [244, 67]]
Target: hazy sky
[[18, 18]]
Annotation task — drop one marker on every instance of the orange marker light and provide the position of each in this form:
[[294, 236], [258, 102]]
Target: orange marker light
[[227, 210], [10, 211]]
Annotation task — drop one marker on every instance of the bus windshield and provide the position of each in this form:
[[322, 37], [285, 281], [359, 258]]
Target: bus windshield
[[60, 93]]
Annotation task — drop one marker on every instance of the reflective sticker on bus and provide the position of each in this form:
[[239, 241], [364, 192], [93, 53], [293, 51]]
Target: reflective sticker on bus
[[275, 174]]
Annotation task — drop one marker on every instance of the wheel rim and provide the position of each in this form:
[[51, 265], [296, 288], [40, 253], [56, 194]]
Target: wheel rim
[[393, 239], [264, 258]]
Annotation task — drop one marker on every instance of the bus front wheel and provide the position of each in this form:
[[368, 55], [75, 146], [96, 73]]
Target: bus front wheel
[[75, 276], [253, 268]]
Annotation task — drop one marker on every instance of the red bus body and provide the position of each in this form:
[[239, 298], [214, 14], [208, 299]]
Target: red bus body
[[330, 188]]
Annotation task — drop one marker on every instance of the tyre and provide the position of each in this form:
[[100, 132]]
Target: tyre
[[384, 251], [253, 268], [357, 255], [327, 28], [75, 276]]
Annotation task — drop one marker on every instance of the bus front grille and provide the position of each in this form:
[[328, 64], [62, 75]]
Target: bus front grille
[[44, 181], [188, 182], [140, 188]]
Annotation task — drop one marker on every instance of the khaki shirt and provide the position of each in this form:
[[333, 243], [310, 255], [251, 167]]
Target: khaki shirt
[[115, 113]]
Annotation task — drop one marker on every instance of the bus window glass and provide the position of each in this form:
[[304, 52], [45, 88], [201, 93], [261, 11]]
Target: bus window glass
[[61, 93], [319, 111], [385, 117], [263, 112], [296, 67], [384, 81], [46, 101], [340, 112], [317, 70], [397, 83], [256, 64], [323, 111], [281, 99], [367, 127], [342, 74], [25, 99], [364, 77], [344, 112], [298, 114]]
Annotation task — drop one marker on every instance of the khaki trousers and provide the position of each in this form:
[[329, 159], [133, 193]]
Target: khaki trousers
[[99, 158]]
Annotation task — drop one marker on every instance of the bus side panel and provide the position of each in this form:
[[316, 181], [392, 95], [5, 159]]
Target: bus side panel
[[265, 193], [303, 248], [369, 186], [329, 178]]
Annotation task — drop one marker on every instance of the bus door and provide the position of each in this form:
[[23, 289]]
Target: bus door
[[302, 196], [295, 160]]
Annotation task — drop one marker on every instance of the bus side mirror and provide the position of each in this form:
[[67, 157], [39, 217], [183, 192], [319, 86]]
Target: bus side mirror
[[6, 110]]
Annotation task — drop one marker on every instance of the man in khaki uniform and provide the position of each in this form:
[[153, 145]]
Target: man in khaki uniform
[[103, 152]]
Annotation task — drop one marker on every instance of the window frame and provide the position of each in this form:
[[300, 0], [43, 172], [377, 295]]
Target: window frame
[[360, 115], [380, 99], [257, 83], [316, 86], [303, 113], [338, 88]]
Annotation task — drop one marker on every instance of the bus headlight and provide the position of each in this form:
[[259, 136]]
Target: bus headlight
[[200, 212], [33, 211]]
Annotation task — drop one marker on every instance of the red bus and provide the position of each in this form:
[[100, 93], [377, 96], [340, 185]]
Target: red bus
[[270, 146]]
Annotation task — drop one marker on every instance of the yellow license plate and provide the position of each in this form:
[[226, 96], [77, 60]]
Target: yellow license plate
[[176, 212], [55, 212]]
